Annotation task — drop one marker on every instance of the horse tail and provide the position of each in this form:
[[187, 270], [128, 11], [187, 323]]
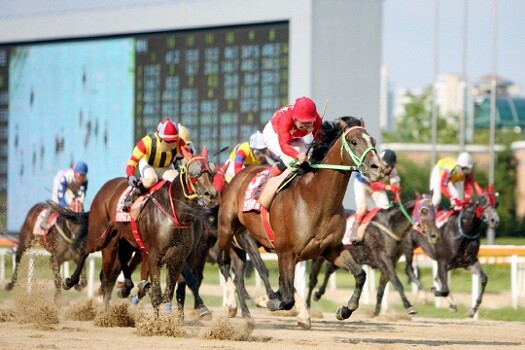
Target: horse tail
[[79, 218]]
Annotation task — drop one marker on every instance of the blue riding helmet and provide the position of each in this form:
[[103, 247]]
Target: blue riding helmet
[[80, 168]]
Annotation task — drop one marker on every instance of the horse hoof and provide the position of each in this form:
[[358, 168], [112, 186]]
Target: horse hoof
[[343, 313], [9, 286], [317, 296], [472, 313], [412, 310], [454, 308], [67, 284], [122, 293], [274, 305], [204, 314], [232, 312], [304, 323]]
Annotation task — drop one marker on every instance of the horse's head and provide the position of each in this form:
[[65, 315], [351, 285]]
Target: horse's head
[[424, 215], [485, 207], [358, 147], [198, 173]]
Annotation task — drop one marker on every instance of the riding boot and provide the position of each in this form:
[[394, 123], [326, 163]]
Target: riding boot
[[132, 196], [354, 238], [277, 169]]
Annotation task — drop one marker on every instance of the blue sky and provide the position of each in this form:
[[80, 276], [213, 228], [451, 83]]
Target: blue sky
[[408, 40]]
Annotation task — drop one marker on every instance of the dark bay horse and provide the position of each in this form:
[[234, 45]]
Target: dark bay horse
[[164, 226], [311, 201], [382, 246], [58, 239], [457, 247]]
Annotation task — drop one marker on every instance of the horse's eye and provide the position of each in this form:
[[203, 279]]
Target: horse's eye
[[353, 142], [424, 212], [483, 202], [194, 169]]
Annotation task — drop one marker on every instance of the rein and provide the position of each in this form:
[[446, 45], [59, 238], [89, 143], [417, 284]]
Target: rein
[[358, 161], [460, 229]]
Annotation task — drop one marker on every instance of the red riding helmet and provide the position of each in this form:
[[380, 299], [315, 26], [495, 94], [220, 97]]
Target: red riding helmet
[[304, 110], [168, 131]]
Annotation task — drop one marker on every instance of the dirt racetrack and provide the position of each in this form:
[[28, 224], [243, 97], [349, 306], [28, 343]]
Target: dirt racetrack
[[28, 322]]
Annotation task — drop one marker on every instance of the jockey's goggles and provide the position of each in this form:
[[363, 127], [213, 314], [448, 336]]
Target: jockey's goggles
[[259, 152]]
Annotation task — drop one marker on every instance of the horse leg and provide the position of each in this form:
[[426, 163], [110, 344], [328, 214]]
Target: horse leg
[[174, 268], [239, 259], [192, 282], [124, 255], [409, 271], [443, 291], [286, 291], [380, 293], [55, 265], [476, 269], [312, 281], [344, 259], [109, 273], [330, 269], [155, 289], [83, 280], [388, 268], [253, 252], [23, 245]]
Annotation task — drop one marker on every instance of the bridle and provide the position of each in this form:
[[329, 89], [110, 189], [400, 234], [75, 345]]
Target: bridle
[[358, 161]]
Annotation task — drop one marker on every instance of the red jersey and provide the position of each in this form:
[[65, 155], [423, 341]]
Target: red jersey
[[283, 124]]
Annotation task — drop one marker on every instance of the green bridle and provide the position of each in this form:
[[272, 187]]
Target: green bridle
[[358, 161]]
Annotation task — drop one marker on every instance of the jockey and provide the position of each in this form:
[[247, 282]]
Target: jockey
[[68, 184], [184, 134], [253, 152], [73, 179], [287, 133], [454, 179], [154, 154], [375, 190]]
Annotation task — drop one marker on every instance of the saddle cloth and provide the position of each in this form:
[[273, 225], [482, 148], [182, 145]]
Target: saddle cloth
[[122, 216], [360, 230], [442, 217], [254, 189], [51, 220]]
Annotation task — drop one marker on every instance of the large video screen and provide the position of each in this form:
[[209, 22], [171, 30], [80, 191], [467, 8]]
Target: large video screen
[[93, 99]]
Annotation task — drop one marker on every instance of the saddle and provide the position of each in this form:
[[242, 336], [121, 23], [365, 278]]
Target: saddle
[[138, 204], [362, 227], [442, 217], [51, 220], [258, 195]]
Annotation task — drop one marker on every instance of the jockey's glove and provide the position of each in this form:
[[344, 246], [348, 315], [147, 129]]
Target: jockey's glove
[[132, 181]]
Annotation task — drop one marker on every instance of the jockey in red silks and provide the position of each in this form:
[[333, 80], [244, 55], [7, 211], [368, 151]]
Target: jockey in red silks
[[454, 179], [286, 135], [154, 154]]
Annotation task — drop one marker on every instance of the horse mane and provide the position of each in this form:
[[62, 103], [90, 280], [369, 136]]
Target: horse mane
[[330, 131]]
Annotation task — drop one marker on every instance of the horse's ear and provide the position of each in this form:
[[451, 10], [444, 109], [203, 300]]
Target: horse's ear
[[362, 122], [431, 193], [186, 153], [491, 188], [418, 195], [204, 152]]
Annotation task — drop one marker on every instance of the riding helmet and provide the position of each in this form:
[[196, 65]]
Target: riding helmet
[[304, 110], [80, 168], [257, 141], [168, 131], [465, 160], [388, 157]]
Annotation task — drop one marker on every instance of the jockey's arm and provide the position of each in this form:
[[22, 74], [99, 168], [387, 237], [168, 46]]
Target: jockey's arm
[[238, 164], [61, 192]]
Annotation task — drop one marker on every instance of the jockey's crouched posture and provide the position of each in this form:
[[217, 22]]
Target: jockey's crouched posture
[[154, 155]]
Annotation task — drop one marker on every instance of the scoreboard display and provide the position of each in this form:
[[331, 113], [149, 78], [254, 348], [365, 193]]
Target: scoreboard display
[[222, 83]]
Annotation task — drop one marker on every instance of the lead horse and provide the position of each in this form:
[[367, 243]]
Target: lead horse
[[457, 247], [163, 227], [311, 201], [57, 238], [382, 246]]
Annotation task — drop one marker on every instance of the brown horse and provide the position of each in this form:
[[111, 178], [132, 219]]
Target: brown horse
[[311, 201], [382, 246], [164, 223], [57, 239]]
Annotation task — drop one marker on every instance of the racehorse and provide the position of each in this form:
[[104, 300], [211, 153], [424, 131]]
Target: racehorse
[[457, 247], [311, 201], [163, 226], [57, 238], [382, 246]]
